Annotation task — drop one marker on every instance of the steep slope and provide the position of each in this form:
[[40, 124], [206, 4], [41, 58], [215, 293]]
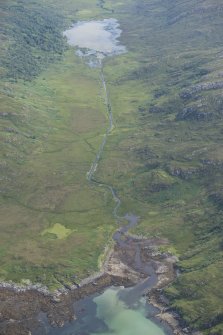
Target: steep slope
[[52, 118], [168, 102], [164, 158]]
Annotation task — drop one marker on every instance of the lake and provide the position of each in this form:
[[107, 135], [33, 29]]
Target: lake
[[118, 310], [96, 38]]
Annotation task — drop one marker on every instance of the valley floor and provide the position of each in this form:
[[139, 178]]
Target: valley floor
[[164, 157]]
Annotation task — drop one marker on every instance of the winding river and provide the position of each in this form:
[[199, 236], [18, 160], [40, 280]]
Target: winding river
[[96, 40], [117, 311]]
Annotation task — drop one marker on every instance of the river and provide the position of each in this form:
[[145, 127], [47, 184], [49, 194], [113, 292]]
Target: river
[[118, 311]]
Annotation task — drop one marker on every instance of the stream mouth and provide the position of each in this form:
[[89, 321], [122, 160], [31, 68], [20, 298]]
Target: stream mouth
[[110, 314], [118, 310], [133, 261]]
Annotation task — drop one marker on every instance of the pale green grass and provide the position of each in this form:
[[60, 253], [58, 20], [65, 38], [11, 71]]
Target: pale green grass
[[58, 122], [59, 230]]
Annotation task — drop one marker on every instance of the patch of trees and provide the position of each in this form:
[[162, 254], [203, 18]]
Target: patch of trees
[[37, 40]]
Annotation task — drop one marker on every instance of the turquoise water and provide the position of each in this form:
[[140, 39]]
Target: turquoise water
[[122, 320], [118, 310], [109, 313]]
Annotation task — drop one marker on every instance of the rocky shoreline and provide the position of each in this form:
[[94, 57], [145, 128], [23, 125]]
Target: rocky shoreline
[[21, 306]]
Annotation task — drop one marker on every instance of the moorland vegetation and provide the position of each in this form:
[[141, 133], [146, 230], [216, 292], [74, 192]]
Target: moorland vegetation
[[164, 157]]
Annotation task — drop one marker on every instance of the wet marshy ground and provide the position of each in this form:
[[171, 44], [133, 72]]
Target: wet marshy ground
[[103, 304]]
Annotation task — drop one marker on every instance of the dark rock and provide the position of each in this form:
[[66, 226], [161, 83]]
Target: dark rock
[[157, 187], [11, 130], [159, 93], [217, 198], [145, 153], [68, 287], [156, 109], [4, 114], [182, 173], [192, 113], [187, 94]]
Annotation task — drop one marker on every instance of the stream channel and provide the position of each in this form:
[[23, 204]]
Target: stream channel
[[118, 310]]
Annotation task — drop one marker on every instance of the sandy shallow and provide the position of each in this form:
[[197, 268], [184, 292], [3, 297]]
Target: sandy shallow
[[119, 269]]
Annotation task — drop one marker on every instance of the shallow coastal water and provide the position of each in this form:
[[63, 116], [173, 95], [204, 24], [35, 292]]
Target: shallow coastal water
[[122, 319], [109, 314], [118, 310]]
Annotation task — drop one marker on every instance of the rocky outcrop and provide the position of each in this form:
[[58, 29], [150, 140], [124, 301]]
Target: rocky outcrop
[[206, 167], [188, 93], [200, 10], [193, 113], [122, 267], [156, 109]]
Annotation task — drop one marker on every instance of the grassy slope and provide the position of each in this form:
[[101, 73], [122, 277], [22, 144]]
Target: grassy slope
[[51, 128], [166, 164]]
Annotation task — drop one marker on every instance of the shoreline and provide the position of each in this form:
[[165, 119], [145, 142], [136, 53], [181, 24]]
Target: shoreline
[[118, 270], [125, 264]]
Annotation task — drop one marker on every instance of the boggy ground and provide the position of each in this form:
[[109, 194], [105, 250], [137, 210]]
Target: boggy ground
[[126, 264], [164, 158]]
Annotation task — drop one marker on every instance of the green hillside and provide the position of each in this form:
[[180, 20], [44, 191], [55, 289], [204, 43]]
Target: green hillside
[[164, 158]]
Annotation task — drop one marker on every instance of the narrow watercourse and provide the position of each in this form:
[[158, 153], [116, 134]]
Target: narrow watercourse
[[128, 297], [93, 169], [77, 311]]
